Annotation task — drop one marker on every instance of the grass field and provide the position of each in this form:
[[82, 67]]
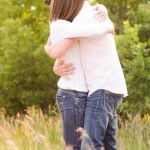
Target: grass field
[[36, 131]]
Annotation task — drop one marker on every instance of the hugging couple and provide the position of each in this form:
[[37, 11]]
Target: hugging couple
[[92, 84]]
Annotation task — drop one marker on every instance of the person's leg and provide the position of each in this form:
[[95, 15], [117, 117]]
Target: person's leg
[[96, 118], [99, 110], [72, 107], [110, 136], [67, 109], [113, 101], [80, 104]]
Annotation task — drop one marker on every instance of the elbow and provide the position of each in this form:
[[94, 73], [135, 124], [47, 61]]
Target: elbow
[[47, 50], [55, 55], [50, 53]]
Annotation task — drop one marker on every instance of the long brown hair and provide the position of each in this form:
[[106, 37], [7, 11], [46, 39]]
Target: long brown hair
[[65, 9]]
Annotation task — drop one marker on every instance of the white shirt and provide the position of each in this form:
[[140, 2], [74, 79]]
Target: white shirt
[[100, 60], [99, 57], [62, 29]]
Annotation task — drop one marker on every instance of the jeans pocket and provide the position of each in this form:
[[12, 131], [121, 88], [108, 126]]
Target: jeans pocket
[[60, 102], [65, 101], [112, 100]]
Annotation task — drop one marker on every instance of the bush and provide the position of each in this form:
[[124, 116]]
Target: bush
[[25, 70], [134, 58]]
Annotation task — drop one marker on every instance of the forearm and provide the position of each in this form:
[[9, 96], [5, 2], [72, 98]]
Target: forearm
[[64, 29], [58, 50], [49, 50], [62, 69], [95, 29], [62, 47]]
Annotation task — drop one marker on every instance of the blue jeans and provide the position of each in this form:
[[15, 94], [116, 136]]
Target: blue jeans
[[72, 105], [101, 118]]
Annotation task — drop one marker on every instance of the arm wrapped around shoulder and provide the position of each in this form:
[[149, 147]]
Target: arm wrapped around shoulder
[[101, 7]]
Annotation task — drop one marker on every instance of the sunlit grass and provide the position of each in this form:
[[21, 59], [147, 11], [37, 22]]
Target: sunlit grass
[[134, 133], [36, 131]]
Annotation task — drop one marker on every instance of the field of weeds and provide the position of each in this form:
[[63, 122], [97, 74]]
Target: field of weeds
[[36, 131]]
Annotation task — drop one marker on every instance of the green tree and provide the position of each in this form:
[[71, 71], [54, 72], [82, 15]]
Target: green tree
[[134, 58], [120, 11], [26, 76]]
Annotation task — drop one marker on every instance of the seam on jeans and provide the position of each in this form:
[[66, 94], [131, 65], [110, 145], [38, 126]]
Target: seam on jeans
[[95, 115], [106, 103], [76, 113], [105, 107]]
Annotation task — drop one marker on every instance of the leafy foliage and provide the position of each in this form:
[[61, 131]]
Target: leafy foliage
[[26, 76], [134, 58]]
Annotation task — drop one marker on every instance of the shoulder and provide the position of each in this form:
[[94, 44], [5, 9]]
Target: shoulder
[[59, 24]]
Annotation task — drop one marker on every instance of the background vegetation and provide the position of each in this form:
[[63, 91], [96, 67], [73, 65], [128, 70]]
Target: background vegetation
[[28, 133], [26, 76]]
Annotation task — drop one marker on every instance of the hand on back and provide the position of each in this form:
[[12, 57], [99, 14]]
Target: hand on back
[[63, 69]]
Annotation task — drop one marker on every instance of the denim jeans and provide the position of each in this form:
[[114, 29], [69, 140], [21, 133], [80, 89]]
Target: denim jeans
[[72, 105], [101, 118]]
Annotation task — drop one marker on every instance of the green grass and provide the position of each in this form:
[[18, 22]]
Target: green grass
[[134, 134], [36, 131]]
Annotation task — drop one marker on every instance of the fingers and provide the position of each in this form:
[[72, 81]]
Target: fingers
[[62, 69], [100, 15], [66, 73], [60, 62], [67, 70], [67, 67], [95, 7]]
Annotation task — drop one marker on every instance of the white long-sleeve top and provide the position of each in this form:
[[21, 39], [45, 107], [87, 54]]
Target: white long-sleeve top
[[62, 29], [100, 60]]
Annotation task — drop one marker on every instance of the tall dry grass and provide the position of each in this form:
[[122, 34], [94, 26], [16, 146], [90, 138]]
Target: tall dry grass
[[134, 133], [36, 131]]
